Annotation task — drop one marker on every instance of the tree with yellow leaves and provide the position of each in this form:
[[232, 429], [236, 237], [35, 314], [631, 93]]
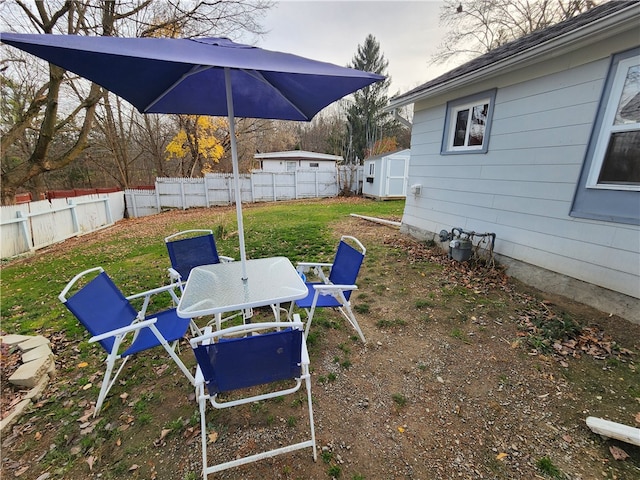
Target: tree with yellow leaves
[[196, 144]]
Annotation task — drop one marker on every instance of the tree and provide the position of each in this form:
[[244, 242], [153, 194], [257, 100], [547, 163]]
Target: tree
[[196, 144], [366, 120], [64, 112], [475, 27]]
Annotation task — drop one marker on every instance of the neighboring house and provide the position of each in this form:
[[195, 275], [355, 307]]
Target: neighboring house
[[385, 175], [538, 141], [294, 160]]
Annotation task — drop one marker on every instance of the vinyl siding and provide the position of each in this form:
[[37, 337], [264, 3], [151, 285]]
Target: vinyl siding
[[522, 189]]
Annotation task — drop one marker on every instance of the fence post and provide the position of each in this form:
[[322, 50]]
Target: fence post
[[28, 239], [206, 191], [182, 199], [273, 186], [295, 184], [107, 205], [158, 206], [229, 188], [74, 215]]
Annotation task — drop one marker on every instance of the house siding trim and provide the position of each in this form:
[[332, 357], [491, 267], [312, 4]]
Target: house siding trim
[[616, 206]]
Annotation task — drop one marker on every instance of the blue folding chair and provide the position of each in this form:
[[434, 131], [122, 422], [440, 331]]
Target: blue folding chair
[[236, 359], [333, 290], [191, 248], [118, 327]]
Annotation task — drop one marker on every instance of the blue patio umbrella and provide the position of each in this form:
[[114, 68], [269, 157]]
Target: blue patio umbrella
[[201, 76]]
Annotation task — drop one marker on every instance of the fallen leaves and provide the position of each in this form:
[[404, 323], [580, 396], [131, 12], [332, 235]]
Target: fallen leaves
[[618, 453]]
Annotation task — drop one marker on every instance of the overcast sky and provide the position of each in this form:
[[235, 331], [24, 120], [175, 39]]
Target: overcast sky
[[408, 34]]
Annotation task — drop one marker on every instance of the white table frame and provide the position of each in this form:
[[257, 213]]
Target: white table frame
[[219, 288]]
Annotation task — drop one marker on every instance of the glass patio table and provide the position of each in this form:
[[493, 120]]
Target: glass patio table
[[219, 288]]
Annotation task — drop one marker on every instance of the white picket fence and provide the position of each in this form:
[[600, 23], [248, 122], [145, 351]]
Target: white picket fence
[[29, 226], [258, 186]]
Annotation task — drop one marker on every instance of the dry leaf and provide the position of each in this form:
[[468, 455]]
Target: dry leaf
[[401, 429], [38, 435], [124, 396], [163, 434], [213, 436], [21, 471], [83, 365], [118, 442], [133, 467], [90, 459], [567, 438], [618, 453], [638, 417], [502, 456], [87, 386]]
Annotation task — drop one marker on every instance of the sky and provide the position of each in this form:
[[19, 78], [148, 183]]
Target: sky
[[330, 31]]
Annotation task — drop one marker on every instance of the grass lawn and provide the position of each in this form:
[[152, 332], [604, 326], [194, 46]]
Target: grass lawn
[[137, 259]]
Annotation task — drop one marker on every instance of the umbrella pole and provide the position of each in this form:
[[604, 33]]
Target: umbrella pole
[[236, 175]]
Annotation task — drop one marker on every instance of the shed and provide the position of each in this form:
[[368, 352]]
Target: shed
[[293, 160], [385, 175], [538, 141]]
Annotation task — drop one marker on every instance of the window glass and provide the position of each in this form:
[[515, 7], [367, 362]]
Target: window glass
[[468, 123], [616, 162]]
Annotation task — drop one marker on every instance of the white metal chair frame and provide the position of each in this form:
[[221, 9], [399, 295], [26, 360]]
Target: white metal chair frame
[[203, 396], [327, 288], [137, 324]]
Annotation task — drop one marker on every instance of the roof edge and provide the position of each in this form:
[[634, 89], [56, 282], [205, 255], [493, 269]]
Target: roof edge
[[605, 26]]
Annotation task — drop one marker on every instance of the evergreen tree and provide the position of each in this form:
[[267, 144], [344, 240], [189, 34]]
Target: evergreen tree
[[366, 122]]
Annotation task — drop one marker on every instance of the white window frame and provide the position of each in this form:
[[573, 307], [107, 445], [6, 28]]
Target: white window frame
[[467, 103], [314, 164], [290, 165], [372, 169], [608, 128]]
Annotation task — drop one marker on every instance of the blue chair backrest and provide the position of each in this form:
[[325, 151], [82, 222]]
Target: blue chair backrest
[[192, 252], [346, 266], [236, 363], [100, 306]]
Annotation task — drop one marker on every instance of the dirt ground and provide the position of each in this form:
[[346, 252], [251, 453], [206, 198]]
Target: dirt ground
[[464, 376]]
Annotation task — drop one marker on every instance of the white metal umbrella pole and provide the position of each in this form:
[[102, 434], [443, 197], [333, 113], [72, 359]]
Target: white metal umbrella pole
[[236, 175]]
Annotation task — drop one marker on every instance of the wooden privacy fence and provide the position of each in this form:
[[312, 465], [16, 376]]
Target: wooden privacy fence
[[29, 226], [258, 186]]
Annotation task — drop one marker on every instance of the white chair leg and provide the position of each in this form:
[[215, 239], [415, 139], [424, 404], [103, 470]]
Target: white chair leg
[[307, 382], [203, 428], [108, 381], [351, 318]]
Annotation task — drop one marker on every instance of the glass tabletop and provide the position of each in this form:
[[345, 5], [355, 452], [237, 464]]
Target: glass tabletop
[[219, 288]]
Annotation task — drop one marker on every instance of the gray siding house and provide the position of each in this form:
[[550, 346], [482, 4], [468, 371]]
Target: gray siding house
[[538, 142]]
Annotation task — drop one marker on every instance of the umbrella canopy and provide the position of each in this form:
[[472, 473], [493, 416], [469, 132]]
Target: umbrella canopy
[[201, 76]]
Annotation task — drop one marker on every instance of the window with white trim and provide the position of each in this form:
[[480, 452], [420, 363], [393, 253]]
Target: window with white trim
[[314, 165], [290, 166], [616, 160], [468, 124], [609, 185]]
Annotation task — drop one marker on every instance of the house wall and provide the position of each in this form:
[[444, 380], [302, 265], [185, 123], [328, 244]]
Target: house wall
[[522, 189], [280, 165]]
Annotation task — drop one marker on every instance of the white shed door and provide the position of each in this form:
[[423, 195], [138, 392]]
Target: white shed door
[[396, 182]]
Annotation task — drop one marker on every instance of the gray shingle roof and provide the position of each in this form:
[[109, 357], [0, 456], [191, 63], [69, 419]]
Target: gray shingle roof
[[522, 44]]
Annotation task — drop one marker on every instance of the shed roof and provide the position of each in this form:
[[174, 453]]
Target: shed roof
[[598, 20], [297, 155]]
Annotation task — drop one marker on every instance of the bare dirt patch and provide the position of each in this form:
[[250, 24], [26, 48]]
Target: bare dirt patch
[[465, 374]]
